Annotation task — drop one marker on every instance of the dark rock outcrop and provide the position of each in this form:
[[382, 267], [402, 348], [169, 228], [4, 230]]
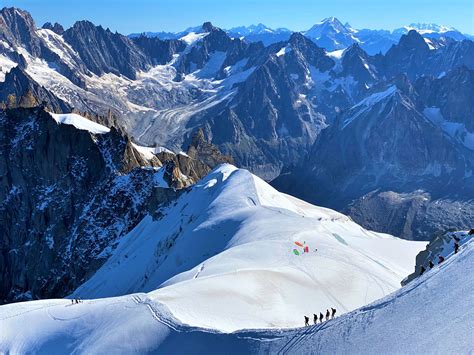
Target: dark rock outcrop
[[21, 90], [56, 28], [67, 196]]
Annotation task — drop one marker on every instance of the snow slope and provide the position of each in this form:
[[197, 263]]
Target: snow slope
[[433, 314], [79, 122], [230, 240]]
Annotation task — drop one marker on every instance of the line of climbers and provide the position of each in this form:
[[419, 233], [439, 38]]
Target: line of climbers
[[329, 315], [440, 257], [76, 301]]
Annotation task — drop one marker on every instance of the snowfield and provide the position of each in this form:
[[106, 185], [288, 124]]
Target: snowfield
[[432, 314], [230, 241], [219, 260]]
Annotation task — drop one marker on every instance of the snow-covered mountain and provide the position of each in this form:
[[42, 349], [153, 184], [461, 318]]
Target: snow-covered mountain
[[232, 233], [264, 106], [329, 33], [230, 240], [143, 322], [260, 32]]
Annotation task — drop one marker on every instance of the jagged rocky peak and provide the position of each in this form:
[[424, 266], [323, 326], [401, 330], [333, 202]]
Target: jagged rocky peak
[[159, 51], [201, 149], [217, 39], [56, 28], [413, 40], [105, 52], [17, 28], [209, 27], [297, 37], [310, 52]]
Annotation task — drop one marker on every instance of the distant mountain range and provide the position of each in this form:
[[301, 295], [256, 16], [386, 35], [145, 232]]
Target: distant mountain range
[[330, 34]]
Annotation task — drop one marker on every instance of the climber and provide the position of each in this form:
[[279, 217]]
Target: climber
[[327, 314], [422, 270], [320, 317], [333, 313], [315, 318], [440, 259], [456, 247], [431, 264], [306, 321]]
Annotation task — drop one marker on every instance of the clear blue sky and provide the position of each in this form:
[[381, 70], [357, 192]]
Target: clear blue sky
[[128, 16]]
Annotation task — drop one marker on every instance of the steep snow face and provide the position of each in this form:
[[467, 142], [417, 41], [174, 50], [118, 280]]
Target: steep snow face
[[367, 103], [399, 323], [193, 37], [80, 122], [5, 66], [230, 240]]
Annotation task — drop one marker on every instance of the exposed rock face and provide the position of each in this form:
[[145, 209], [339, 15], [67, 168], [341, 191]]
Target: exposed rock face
[[202, 150], [27, 93], [18, 28], [415, 215], [441, 244], [67, 196], [56, 28], [104, 51], [159, 51], [450, 93], [413, 57]]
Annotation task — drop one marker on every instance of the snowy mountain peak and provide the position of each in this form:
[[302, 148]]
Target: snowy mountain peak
[[429, 27], [333, 23]]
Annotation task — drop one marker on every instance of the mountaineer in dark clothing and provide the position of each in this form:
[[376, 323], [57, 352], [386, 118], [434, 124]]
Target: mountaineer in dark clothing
[[456, 247], [333, 313], [422, 270], [431, 264], [321, 317], [306, 321], [327, 314], [315, 318], [440, 259]]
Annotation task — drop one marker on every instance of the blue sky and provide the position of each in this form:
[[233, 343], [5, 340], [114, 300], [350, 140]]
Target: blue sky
[[128, 16]]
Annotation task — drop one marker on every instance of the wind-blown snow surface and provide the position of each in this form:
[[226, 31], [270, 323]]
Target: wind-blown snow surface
[[433, 314], [230, 241], [80, 122]]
